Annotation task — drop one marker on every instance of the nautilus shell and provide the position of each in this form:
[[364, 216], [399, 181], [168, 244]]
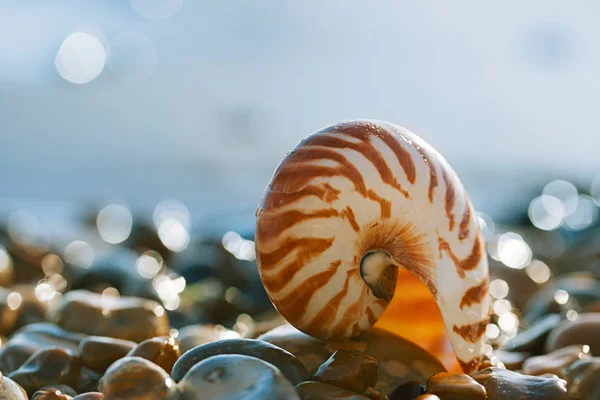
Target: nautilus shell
[[350, 206]]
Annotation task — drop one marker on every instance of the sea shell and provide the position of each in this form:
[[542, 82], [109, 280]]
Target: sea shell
[[350, 205]]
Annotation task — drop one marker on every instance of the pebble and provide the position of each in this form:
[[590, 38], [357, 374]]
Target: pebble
[[584, 330], [88, 380], [510, 359], [48, 366], [54, 392], [427, 396], [555, 362], [408, 391], [234, 376], [10, 390], [135, 378], [399, 360], [534, 338], [323, 391], [291, 368], [31, 338], [8, 313], [349, 369], [195, 335], [99, 352], [583, 379], [503, 384], [162, 351], [128, 318], [450, 386], [90, 396]]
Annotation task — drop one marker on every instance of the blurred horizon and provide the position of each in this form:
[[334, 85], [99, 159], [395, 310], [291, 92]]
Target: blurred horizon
[[199, 101]]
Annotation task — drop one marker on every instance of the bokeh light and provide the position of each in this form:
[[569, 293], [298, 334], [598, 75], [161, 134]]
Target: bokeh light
[[546, 212], [149, 264], [24, 227], [561, 296], [168, 290], [565, 192], [14, 300], [114, 223], [156, 9], [584, 215], [81, 58], [52, 264], [538, 271], [502, 307], [571, 315], [492, 331], [499, 288], [44, 291], [513, 251], [79, 253], [5, 260], [241, 248], [508, 322], [174, 235], [486, 225]]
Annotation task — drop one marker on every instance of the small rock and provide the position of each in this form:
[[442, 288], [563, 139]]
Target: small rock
[[90, 396], [48, 366], [99, 352], [533, 339], [10, 390], [399, 360], [195, 335], [323, 391], [555, 362], [64, 389], [162, 351], [291, 368], [88, 380], [510, 359], [234, 376], [135, 378], [502, 384], [407, 391], [455, 387], [129, 318], [349, 369], [54, 392], [427, 396], [583, 379], [584, 330]]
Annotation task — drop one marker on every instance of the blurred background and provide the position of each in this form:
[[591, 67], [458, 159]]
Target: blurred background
[[136, 137]]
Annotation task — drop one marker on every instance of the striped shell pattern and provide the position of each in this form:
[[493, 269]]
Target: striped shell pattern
[[346, 208]]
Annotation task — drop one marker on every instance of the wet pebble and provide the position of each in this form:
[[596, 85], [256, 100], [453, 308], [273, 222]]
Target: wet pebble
[[583, 379], [99, 352], [399, 360], [555, 362], [135, 378], [291, 368], [90, 396], [534, 338], [48, 366], [503, 384], [31, 338], [234, 376], [349, 369], [455, 387], [408, 390], [162, 351], [54, 392], [195, 335], [584, 330], [512, 360], [10, 390], [128, 318], [324, 391]]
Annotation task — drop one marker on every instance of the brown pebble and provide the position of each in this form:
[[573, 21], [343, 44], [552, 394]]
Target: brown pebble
[[90, 396], [427, 396], [583, 379], [162, 351], [50, 394], [88, 380], [195, 335], [555, 362], [450, 386], [98, 352], [91, 313], [584, 330], [511, 360], [324, 391], [48, 366], [349, 369], [10, 390], [135, 378]]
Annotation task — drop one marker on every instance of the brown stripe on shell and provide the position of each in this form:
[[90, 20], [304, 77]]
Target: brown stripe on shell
[[433, 178], [277, 199], [371, 316], [296, 302], [350, 313], [384, 205], [469, 263], [463, 228], [471, 332], [279, 280], [450, 199], [349, 215], [365, 148], [322, 320], [269, 260], [475, 294], [470, 366], [404, 157], [274, 224]]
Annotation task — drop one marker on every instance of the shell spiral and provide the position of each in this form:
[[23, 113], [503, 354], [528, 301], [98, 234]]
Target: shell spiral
[[347, 207]]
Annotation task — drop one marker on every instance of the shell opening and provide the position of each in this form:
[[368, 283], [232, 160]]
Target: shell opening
[[379, 271]]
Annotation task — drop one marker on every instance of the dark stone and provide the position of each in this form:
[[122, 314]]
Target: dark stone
[[502, 384], [162, 351], [349, 369], [533, 339], [291, 368], [407, 391], [583, 379], [323, 391], [455, 387], [98, 352], [584, 330]]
